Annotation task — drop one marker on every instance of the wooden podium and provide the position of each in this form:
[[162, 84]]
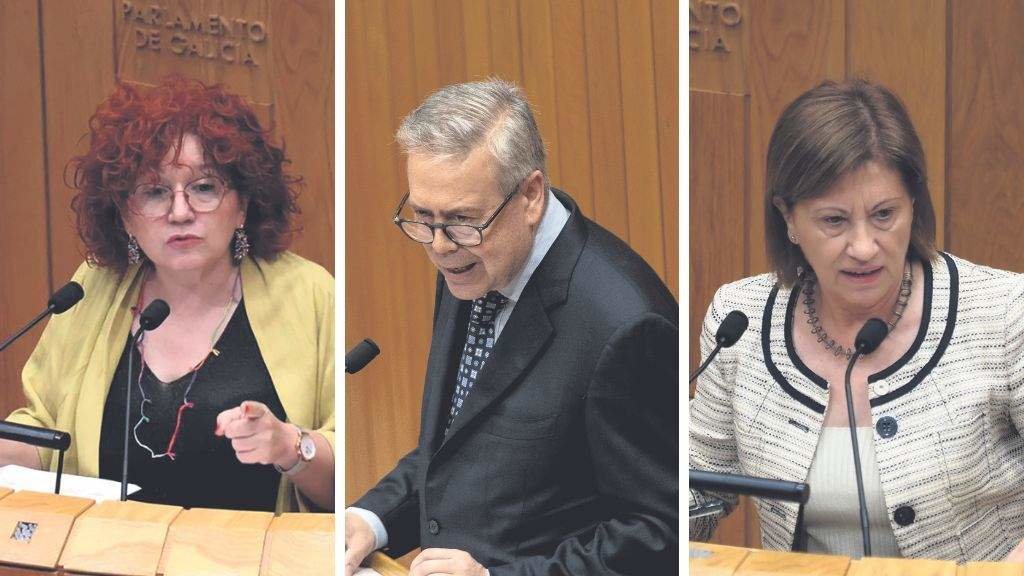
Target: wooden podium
[[49, 534], [714, 560]]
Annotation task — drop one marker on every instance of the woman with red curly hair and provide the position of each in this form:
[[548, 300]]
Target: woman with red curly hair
[[183, 198]]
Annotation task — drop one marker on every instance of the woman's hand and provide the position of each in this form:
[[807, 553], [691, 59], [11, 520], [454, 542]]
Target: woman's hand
[[1017, 554], [257, 436]]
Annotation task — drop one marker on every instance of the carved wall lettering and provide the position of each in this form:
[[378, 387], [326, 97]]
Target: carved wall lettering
[[226, 39], [709, 22]]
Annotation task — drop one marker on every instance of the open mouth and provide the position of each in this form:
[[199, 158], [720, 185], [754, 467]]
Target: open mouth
[[461, 269], [863, 274]]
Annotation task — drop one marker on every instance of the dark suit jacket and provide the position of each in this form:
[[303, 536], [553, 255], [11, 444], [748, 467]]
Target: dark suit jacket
[[564, 457]]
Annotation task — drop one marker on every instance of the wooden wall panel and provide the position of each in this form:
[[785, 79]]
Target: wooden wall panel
[[573, 108], [380, 400], [665, 17], [916, 31], [986, 134], [794, 45], [78, 59], [567, 56], [302, 93], [24, 259], [606, 129], [639, 111], [718, 137]]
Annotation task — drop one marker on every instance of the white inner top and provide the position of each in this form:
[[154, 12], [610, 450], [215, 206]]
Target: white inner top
[[832, 515]]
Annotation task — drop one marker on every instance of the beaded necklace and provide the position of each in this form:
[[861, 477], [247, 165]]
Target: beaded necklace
[[809, 282]]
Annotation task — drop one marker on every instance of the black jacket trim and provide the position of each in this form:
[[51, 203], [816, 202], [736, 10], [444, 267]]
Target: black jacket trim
[[947, 335], [766, 332]]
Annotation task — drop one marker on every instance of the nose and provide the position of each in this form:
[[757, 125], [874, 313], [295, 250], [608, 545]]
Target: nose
[[181, 210], [442, 244], [862, 245]]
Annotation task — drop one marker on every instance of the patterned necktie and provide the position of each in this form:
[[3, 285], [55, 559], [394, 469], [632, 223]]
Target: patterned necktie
[[479, 342]]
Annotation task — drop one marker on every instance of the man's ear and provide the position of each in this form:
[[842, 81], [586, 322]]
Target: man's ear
[[535, 195]]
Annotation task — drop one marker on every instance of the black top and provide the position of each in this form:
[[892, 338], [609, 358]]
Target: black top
[[205, 472]]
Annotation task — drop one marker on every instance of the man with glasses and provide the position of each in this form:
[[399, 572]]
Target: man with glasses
[[549, 439]]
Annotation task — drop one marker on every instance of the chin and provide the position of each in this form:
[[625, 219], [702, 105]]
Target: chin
[[467, 292]]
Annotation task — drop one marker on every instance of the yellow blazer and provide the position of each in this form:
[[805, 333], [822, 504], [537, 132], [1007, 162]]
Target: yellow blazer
[[290, 304]]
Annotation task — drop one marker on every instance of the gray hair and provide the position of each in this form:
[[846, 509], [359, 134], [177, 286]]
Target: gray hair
[[454, 121]]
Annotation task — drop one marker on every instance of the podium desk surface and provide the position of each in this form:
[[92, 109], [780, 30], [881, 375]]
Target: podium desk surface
[[385, 566], [716, 560]]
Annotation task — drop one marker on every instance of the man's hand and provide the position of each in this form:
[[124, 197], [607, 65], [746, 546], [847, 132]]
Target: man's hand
[[359, 541], [445, 561], [257, 436]]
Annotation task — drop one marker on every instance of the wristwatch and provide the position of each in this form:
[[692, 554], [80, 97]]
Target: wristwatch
[[305, 448]]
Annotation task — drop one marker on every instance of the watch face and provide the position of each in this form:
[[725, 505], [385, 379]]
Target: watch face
[[307, 448]]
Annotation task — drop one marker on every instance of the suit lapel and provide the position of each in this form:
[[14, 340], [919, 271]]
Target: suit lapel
[[523, 339], [524, 336], [444, 346]]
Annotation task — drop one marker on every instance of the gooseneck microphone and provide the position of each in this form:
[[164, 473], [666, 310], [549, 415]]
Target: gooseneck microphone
[[150, 319], [360, 355], [867, 341], [59, 302], [729, 332]]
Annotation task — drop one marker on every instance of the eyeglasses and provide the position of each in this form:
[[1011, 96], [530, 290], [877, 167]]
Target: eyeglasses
[[155, 200], [467, 235]]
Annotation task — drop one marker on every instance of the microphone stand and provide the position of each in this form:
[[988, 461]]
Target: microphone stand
[[136, 340], [865, 530], [26, 328], [704, 365]]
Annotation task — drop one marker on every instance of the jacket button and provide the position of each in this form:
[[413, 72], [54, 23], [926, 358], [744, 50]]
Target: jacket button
[[886, 427], [904, 515], [433, 527]]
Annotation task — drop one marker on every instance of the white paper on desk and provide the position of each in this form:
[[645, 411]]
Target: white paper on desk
[[366, 572], [22, 478]]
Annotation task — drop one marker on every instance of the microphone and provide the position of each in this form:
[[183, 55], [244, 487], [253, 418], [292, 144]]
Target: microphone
[[42, 437], [360, 355], [867, 341], [151, 318], [59, 302], [798, 492], [729, 332]]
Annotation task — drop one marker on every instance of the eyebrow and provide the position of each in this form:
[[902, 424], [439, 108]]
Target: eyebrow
[[463, 210], [876, 206]]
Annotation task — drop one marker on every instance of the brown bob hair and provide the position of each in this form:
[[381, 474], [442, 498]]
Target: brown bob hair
[[827, 132], [131, 133]]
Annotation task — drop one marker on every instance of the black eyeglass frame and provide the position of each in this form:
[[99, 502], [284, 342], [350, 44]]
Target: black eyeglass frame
[[443, 226]]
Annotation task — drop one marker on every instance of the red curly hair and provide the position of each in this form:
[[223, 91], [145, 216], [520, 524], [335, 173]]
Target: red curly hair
[[131, 133]]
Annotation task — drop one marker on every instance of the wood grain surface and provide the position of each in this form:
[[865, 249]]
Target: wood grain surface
[[206, 542], [300, 545]]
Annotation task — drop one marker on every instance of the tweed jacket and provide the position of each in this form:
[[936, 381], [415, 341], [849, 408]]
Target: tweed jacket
[[947, 414]]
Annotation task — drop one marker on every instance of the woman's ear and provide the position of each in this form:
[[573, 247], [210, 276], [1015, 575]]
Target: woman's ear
[[787, 214]]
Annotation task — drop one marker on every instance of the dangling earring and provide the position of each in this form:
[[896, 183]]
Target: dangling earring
[[240, 245], [134, 254]]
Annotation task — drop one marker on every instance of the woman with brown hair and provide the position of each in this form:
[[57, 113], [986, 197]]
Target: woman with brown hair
[[850, 236], [182, 197]]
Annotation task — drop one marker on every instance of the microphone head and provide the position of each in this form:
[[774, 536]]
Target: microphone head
[[871, 336], [154, 314], [65, 298], [730, 330], [360, 355]]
